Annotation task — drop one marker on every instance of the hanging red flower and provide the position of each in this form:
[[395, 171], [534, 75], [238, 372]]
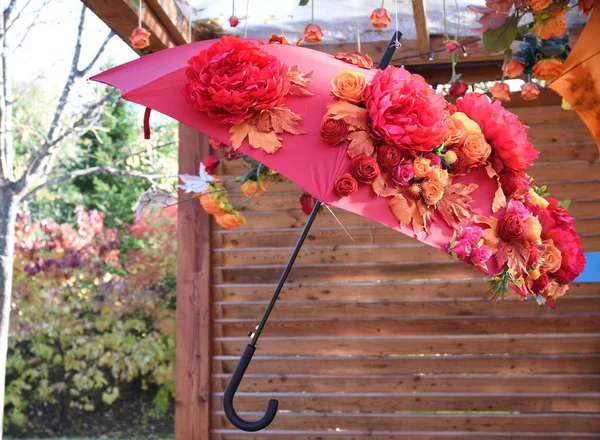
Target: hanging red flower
[[380, 18], [234, 21], [458, 88], [140, 38], [313, 34]]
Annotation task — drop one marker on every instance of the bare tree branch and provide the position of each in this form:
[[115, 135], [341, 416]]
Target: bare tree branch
[[97, 56], [8, 11], [97, 170], [14, 20], [25, 88]]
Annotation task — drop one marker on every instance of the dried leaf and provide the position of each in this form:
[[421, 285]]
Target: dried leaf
[[411, 214], [153, 197], [491, 172], [268, 142], [298, 78], [281, 39], [280, 120], [296, 90], [499, 199], [515, 255], [341, 109], [381, 188], [490, 237], [238, 134], [455, 206], [357, 122], [355, 58], [361, 142]]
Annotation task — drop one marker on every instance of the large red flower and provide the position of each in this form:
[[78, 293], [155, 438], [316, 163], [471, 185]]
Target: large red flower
[[573, 259], [405, 111], [502, 129], [234, 78]]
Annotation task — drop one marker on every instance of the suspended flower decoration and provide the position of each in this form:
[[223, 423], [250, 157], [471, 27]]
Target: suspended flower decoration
[[514, 68], [233, 20], [550, 24], [529, 91], [458, 88], [547, 70], [140, 38], [312, 32], [380, 18], [452, 46]]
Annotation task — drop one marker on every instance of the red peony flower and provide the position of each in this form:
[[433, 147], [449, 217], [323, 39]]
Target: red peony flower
[[553, 217], [458, 88], [510, 228], [345, 185], [365, 169], [388, 157], [334, 131], [567, 241], [501, 129], [313, 34], [210, 163], [234, 78], [405, 111], [380, 18]]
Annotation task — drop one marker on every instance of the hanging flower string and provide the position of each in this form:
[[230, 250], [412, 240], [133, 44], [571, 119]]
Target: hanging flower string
[[380, 18], [233, 20], [312, 32], [140, 37]]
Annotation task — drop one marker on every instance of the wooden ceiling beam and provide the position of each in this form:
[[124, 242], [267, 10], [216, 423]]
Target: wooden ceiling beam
[[420, 14], [162, 18]]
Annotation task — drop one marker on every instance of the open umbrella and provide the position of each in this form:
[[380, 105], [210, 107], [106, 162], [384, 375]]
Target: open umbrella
[[579, 84], [379, 143]]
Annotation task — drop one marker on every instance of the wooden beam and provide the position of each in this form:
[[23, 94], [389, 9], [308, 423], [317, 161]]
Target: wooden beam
[[420, 13], [159, 17], [193, 357]]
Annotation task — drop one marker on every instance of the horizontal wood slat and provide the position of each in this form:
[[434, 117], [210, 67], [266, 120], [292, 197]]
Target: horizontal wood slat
[[424, 364], [402, 345], [404, 421]]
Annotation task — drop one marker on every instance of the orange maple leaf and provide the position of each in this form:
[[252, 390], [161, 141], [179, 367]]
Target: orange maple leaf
[[266, 141], [455, 206], [380, 186], [355, 58], [281, 39], [490, 236], [279, 120], [414, 214], [515, 255], [361, 142], [299, 82]]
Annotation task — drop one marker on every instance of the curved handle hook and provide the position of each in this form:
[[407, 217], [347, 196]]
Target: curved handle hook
[[232, 387]]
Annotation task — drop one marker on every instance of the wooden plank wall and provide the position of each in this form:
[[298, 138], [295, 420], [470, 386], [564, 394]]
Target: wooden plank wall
[[386, 338]]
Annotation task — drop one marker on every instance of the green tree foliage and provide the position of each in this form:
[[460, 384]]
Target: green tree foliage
[[93, 313]]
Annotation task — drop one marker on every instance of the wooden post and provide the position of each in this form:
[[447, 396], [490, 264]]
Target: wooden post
[[192, 399]]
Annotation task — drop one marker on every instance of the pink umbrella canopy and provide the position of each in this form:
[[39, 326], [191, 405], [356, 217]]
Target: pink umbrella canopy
[[379, 143]]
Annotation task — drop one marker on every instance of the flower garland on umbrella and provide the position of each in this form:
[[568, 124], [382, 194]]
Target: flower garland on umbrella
[[411, 146]]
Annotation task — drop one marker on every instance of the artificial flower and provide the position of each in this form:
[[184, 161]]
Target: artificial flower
[[313, 34], [433, 191], [461, 249], [452, 46], [365, 169], [457, 132], [514, 68], [380, 18], [459, 166], [356, 58], [540, 283], [252, 188], [471, 234], [481, 255], [345, 185], [458, 88], [214, 203], [388, 157], [513, 182], [555, 290], [415, 190], [476, 150], [471, 127], [516, 207], [549, 24], [234, 21], [568, 243], [548, 70], [438, 174], [196, 184], [450, 157], [233, 78], [281, 39], [499, 5], [501, 91], [334, 131], [502, 130], [405, 111], [421, 167], [307, 203], [403, 173], [553, 217], [349, 85], [538, 5], [510, 228], [435, 160], [552, 257], [538, 200], [532, 229], [140, 38], [586, 6], [230, 220], [529, 91], [210, 163]]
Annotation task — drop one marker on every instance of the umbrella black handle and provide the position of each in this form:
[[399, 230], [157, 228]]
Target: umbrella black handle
[[389, 52], [232, 387]]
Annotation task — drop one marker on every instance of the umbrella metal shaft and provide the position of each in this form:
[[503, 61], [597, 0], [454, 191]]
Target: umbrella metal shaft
[[286, 272]]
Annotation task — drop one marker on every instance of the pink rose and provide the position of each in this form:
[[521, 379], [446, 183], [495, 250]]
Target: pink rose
[[481, 255], [404, 173], [405, 111], [517, 208], [471, 235], [452, 46], [461, 249]]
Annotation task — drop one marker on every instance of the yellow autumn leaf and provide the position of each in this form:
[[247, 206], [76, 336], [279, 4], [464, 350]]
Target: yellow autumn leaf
[[341, 109], [401, 210], [269, 142], [238, 134]]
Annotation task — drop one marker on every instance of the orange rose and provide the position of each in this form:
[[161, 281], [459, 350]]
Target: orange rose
[[380, 18], [552, 257], [501, 92], [529, 91], [547, 70], [313, 34], [140, 38], [251, 188], [212, 205], [349, 85], [433, 191], [438, 174], [470, 125], [476, 150], [421, 167], [532, 229], [538, 5], [231, 220], [456, 132], [548, 25], [514, 68], [555, 290]]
